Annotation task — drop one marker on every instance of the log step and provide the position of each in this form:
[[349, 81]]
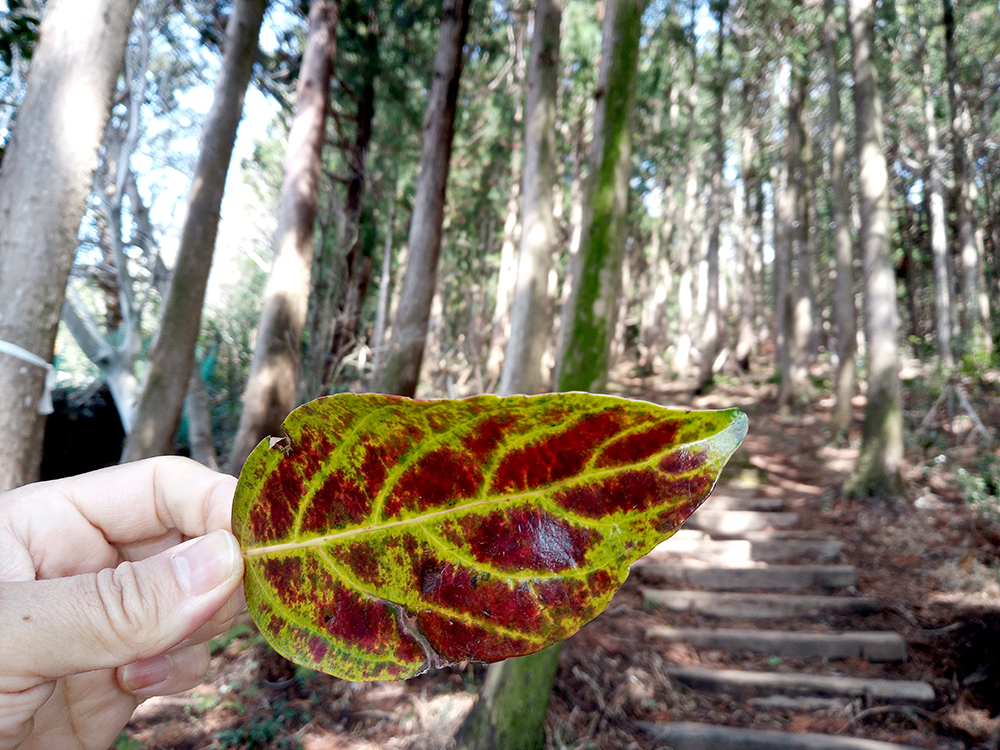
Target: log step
[[751, 684], [686, 735], [818, 550], [764, 578], [733, 523], [758, 606], [732, 502], [744, 551], [873, 646]]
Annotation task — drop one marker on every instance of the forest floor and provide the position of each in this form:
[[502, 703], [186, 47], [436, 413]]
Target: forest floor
[[934, 561]]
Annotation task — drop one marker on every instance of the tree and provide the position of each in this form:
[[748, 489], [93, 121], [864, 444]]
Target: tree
[[975, 323], [877, 471], [171, 357], [409, 333], [711, 331], [934, 199], [840, 204], [43, 186], [531, 317], [513, 700], [271, 390], [590, 314]]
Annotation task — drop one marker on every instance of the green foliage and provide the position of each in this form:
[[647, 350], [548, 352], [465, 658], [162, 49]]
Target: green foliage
[[271, 731], [124, 742], [982, 487], [222, 642]]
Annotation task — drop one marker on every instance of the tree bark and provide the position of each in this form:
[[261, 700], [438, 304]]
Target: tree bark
[[593, 300], [270, 391], [172, 353], [973, 326], [409, 331], [796, 308], [840, 199], [46, 176], [685, 302], [197, 406], [711, 330], [531, 317], [507, 274], [877, 471]]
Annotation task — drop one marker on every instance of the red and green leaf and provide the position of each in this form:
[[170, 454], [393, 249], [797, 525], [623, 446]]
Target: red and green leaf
[[387, 535]]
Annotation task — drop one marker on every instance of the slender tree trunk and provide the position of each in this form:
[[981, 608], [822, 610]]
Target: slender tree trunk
[[711, 333], [46, 176], [877, 471], [593, 301], [973, 329], [685, 300], [840, 199], [270, 391], [507, 273], [197, 406], [409, 331], [384, 288], [514, 699], [172, 354], [797, 311], [744, 212], [531, 318]]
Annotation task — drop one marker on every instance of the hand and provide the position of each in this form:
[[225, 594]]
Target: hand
[[106, 597]]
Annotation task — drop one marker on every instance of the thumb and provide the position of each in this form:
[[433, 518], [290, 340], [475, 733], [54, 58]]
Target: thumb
[[62, 626]]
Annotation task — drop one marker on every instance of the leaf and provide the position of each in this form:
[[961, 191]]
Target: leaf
[[385, 535]]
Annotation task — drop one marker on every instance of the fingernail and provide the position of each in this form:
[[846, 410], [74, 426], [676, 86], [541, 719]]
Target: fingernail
[[205, 563], [144, 674]]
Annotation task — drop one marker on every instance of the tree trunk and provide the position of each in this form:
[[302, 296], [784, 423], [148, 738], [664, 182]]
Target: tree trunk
[[384, 287], [972, 324], [172, 354], [351, 270], [840, 199], [197, 406], [877, 471], [46, 176], [409, 331], [685, 302], [796, 320], [270, 391], [531, 317], [513, 702], [593, 300], [711, 333], [507, 274]]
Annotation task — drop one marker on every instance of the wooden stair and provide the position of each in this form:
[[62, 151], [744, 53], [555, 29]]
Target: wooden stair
[[744, 559]]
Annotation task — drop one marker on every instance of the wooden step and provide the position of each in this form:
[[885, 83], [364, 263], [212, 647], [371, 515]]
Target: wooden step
[[734, 502], [686, 735], [873, 646], [758, 606], [762, 578], [749, 684], [703, 548], [815, 550], [734, 523]]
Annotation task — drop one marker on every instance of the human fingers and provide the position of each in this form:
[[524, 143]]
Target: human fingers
[[108, 619], [135, 502], [164, 674]]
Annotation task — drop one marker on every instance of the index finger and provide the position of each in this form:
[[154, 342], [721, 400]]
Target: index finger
[[144, 499]]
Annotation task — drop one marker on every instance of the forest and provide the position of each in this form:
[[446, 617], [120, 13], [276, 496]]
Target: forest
[[214, 211]]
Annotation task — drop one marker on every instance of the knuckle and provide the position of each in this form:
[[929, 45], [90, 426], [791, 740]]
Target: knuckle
[[131, 609]]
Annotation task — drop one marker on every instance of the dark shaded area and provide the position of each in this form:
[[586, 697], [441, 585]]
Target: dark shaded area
[[83, 433]]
